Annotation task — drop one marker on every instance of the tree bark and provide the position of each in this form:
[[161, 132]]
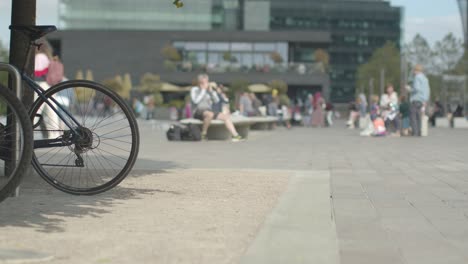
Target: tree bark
[[23, 12]]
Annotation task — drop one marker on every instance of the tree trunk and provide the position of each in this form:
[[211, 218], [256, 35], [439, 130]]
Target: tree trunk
[[23, 12]]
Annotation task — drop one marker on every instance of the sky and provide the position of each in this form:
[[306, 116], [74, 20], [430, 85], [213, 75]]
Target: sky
[[431, 18]]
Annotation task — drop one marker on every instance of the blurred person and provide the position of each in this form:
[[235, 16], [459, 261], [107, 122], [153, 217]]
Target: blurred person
[[438, 111], [362, 105], [354, 113], [273, 103], [246, 105], [48, 71], [377, 126], [419, 96], [390, 114], [150, 108], [203, 97], [329, 110], [223, 99], [374, 108], [405, 115], [138, 107], [387, 100], [188, 108], [256, 104], [318, 119]]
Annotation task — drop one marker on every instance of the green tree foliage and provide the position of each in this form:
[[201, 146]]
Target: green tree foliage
[[150, 83], [322, 56], [418, 51], [387, 58], [276, 57], [279, 85], [171, 53], [447, 52]]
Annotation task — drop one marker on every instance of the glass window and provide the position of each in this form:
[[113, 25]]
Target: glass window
[[195, 45], [241, 46], [236, 58], [179, 44], [258, 59], [247, 59], [282, 49], [267, 59], [218, 46], [200, 57], [264, 46], [214, 58]]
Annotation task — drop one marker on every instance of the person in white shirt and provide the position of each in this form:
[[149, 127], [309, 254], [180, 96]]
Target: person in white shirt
[[203, 97], [390, 113]]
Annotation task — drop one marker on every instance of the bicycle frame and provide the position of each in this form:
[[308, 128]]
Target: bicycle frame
[[58, 109]]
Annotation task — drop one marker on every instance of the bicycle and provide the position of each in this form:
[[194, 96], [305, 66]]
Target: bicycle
[[80, 136]]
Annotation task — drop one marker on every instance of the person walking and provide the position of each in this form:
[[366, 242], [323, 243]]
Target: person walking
[[419, 96]]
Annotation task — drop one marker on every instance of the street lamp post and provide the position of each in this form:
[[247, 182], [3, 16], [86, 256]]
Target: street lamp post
[[463, 6]]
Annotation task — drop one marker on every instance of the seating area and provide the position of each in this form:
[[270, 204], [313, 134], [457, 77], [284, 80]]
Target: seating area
[[460, 122], [218, 131]]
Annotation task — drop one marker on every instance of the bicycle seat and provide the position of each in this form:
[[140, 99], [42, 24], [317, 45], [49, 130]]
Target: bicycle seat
[[34, 32]]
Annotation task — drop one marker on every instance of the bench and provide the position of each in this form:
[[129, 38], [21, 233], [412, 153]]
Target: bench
[[460, 122], [442, 122], [263, 122], [217, 129]]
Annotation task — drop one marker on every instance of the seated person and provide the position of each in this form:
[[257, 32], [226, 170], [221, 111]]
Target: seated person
[[203, 97]]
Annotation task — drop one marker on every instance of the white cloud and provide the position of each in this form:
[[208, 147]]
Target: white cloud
[[433, 28]]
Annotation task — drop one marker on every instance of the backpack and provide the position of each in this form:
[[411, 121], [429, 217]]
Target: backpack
[[183, 133], [174, 133], [191, 133], [55, 73]]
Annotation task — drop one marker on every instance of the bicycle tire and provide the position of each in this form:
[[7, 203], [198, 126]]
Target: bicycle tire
[[135, 138], [24, 161]]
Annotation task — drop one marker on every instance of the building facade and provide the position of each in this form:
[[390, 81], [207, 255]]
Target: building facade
[[256, 40]]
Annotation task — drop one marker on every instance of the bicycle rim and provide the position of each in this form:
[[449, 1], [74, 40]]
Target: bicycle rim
[[108, 145], [15, 142]]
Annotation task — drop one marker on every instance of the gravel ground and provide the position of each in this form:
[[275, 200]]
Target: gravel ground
[[176, 216]]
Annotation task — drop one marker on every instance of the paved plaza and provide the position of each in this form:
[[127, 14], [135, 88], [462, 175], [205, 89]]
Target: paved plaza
[[284, 196]]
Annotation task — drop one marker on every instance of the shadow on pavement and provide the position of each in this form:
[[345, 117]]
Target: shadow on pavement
[[45, 209]]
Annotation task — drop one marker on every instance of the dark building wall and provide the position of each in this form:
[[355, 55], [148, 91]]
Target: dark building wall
[[108, 53], [357, 29]]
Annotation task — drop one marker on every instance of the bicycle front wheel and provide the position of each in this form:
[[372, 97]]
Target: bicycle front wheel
[[101, 150], [15, 142]]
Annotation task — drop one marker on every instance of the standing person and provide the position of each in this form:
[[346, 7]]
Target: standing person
[[362, 105], [329, 109], [273, 103], [150, 108], [318, 119], [203, 96], [390, 114], [419, 96], [405, 115], [354, 113]]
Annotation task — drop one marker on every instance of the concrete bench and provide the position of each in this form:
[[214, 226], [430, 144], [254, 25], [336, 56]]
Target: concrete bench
[[460, 122], [263, 122], [218, 130], [442, 122]]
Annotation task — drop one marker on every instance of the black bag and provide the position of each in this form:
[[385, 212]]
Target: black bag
[[180, 132], [191, 133], [174, 133]]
